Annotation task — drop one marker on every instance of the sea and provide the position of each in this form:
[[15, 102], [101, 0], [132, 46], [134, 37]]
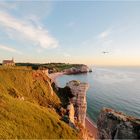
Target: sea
[[113, 87]]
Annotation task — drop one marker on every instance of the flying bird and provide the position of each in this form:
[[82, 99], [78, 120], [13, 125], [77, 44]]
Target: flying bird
[[104, 52]]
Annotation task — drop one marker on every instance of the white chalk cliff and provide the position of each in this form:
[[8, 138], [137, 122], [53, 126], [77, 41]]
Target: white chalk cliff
[[79, 89]]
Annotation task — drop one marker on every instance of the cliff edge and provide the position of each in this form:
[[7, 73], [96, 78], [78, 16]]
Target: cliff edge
[[116, 125]]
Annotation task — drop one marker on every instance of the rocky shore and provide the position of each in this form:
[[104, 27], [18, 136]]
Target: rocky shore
[[116, 125]]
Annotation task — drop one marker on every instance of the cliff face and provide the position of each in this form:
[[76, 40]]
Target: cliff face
[[76, 70], [116, 125], [79, 89]]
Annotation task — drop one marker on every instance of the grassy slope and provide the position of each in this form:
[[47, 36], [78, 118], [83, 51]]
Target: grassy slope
[[31, 117]]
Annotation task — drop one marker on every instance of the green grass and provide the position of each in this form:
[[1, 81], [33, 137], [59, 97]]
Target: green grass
[[32, 117], [55, 66], [20, 82]]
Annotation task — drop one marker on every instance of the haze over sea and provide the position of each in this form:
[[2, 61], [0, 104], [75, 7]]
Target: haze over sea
[[114, 87]]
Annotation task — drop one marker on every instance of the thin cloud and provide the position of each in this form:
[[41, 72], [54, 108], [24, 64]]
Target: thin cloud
[[102, 41], [105, 34], [105, 39], [9, 49], [27, 31]]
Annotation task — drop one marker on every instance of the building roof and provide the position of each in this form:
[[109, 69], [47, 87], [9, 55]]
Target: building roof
[[8, 61]]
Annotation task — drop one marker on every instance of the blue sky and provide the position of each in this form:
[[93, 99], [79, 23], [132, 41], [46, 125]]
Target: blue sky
[[71, 32]]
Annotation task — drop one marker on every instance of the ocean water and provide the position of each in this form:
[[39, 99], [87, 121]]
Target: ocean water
[[113, 87]]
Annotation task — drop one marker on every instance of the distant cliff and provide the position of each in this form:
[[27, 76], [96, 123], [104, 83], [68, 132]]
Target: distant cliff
[[77, 69], [116, 125], [57, 67]]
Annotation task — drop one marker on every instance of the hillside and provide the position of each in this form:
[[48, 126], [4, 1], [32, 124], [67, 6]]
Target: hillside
[[55, 67], [28, 106]]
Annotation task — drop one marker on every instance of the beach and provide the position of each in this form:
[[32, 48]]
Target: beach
[[53, 76], [91, 128]]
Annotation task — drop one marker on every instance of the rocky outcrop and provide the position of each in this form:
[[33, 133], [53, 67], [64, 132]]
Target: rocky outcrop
[[79, 89], [42, 75], [71, 112], [77, 70], [45, 71], [116, 125]]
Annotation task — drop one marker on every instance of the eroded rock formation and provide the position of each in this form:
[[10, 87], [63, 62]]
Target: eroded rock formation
[[76, 70], [116, 125], [79, 89]]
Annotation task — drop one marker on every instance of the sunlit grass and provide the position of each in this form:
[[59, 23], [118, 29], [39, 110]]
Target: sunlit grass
[[30, 117]]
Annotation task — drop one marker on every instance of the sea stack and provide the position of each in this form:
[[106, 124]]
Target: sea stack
[[79, 89]]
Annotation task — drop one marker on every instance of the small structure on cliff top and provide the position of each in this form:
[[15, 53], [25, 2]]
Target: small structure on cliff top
[[8, 62], [79, 89], [116, 125]]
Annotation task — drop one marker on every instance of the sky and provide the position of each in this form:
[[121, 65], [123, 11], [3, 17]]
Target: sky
[[71, 32]]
